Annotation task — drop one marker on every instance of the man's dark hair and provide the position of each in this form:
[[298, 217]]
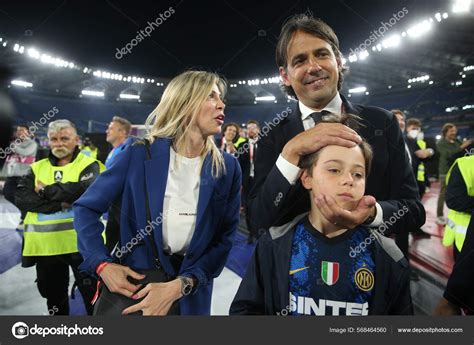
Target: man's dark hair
[[237, 135], [313, 26], [398, 111], [413, 122], [446, 128], [254, 122]]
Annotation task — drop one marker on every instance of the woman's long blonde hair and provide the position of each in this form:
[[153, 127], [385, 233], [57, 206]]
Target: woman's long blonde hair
[[178, 109]]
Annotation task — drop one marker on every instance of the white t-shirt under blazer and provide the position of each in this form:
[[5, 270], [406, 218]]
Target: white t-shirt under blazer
[[180, 203]]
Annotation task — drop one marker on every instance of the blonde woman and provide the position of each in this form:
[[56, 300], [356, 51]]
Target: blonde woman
[[193, 198]]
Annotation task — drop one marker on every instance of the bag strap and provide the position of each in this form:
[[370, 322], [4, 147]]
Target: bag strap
[[151, 236]]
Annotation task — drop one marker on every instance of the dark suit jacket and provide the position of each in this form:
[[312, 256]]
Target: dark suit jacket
[[216, 223], [273, 201]]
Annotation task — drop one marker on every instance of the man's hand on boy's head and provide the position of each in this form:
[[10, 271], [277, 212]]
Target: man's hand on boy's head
[[319, 136], [348, 219]]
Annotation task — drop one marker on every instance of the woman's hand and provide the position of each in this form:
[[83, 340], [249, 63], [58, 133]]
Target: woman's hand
[[115, 278], [158, 298]]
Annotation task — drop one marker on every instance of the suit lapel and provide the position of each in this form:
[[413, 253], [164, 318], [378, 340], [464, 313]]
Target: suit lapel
[[294, 125], [156, 176]]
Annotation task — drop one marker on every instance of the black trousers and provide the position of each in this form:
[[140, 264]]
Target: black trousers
[[112, 229], [53, 281]]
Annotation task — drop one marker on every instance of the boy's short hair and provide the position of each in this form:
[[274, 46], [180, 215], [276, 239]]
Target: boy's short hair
[[413, 122], [353, 122]]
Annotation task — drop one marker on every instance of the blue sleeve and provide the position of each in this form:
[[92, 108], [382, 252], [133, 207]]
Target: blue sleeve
[[212, 262], [91, 205]]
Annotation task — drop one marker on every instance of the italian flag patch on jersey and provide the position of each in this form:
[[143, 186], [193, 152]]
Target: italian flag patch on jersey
[[330, 272]]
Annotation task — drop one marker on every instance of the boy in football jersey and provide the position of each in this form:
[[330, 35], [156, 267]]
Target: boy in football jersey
[[311, 266]]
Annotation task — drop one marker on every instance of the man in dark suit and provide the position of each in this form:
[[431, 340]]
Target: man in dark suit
[[310, 66]]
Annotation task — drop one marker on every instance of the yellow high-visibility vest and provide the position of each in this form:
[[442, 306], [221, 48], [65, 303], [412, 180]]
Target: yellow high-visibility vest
[[420, 176], [54, 234], [456, 228], [89, 152]]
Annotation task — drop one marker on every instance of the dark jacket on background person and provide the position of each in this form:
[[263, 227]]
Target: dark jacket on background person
[[448, 153], [273, 201], [264, 289], [216, 223]]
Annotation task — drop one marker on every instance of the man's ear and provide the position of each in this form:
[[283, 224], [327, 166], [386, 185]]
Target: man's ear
[[306, 180], [284, 76]]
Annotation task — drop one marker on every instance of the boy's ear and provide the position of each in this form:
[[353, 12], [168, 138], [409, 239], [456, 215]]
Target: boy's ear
[[306, 180]]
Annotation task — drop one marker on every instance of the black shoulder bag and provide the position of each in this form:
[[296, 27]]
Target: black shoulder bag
[[112, 304]]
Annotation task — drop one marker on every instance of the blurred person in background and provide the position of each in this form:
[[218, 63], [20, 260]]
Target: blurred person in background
[[88, 148], [17, 164], [46, 193], [459, 232], [449, 148], [248, 175], [231, 139], [117, 134]]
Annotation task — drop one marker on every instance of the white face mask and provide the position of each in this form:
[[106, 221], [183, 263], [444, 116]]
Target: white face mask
[[413, 133], [421, 136]]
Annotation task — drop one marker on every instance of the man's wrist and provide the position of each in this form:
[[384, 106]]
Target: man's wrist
[[370, 219], [290, 155]]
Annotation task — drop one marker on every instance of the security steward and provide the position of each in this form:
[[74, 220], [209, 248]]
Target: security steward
[[459, 232], [50, 241], [459, 214]]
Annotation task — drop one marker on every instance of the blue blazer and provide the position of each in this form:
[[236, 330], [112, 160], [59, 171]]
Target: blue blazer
[[217, 217]]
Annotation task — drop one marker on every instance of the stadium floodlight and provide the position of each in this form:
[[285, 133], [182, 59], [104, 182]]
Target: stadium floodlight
[[359, 89], [419, 29], [461, 6], [391, 41], [445, 15], [129, 96], [16, 47], [431, 82], [265, 98], [468, 68], [468, 106], [352, 58], [21, 83], [33, 53], [438, 16], [21, 50], [438, 137], [451, 109], [93, 93], [363, 55]]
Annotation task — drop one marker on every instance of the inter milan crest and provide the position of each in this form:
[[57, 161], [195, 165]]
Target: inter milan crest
[[330, 272], [58, 176], [364, 279]]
